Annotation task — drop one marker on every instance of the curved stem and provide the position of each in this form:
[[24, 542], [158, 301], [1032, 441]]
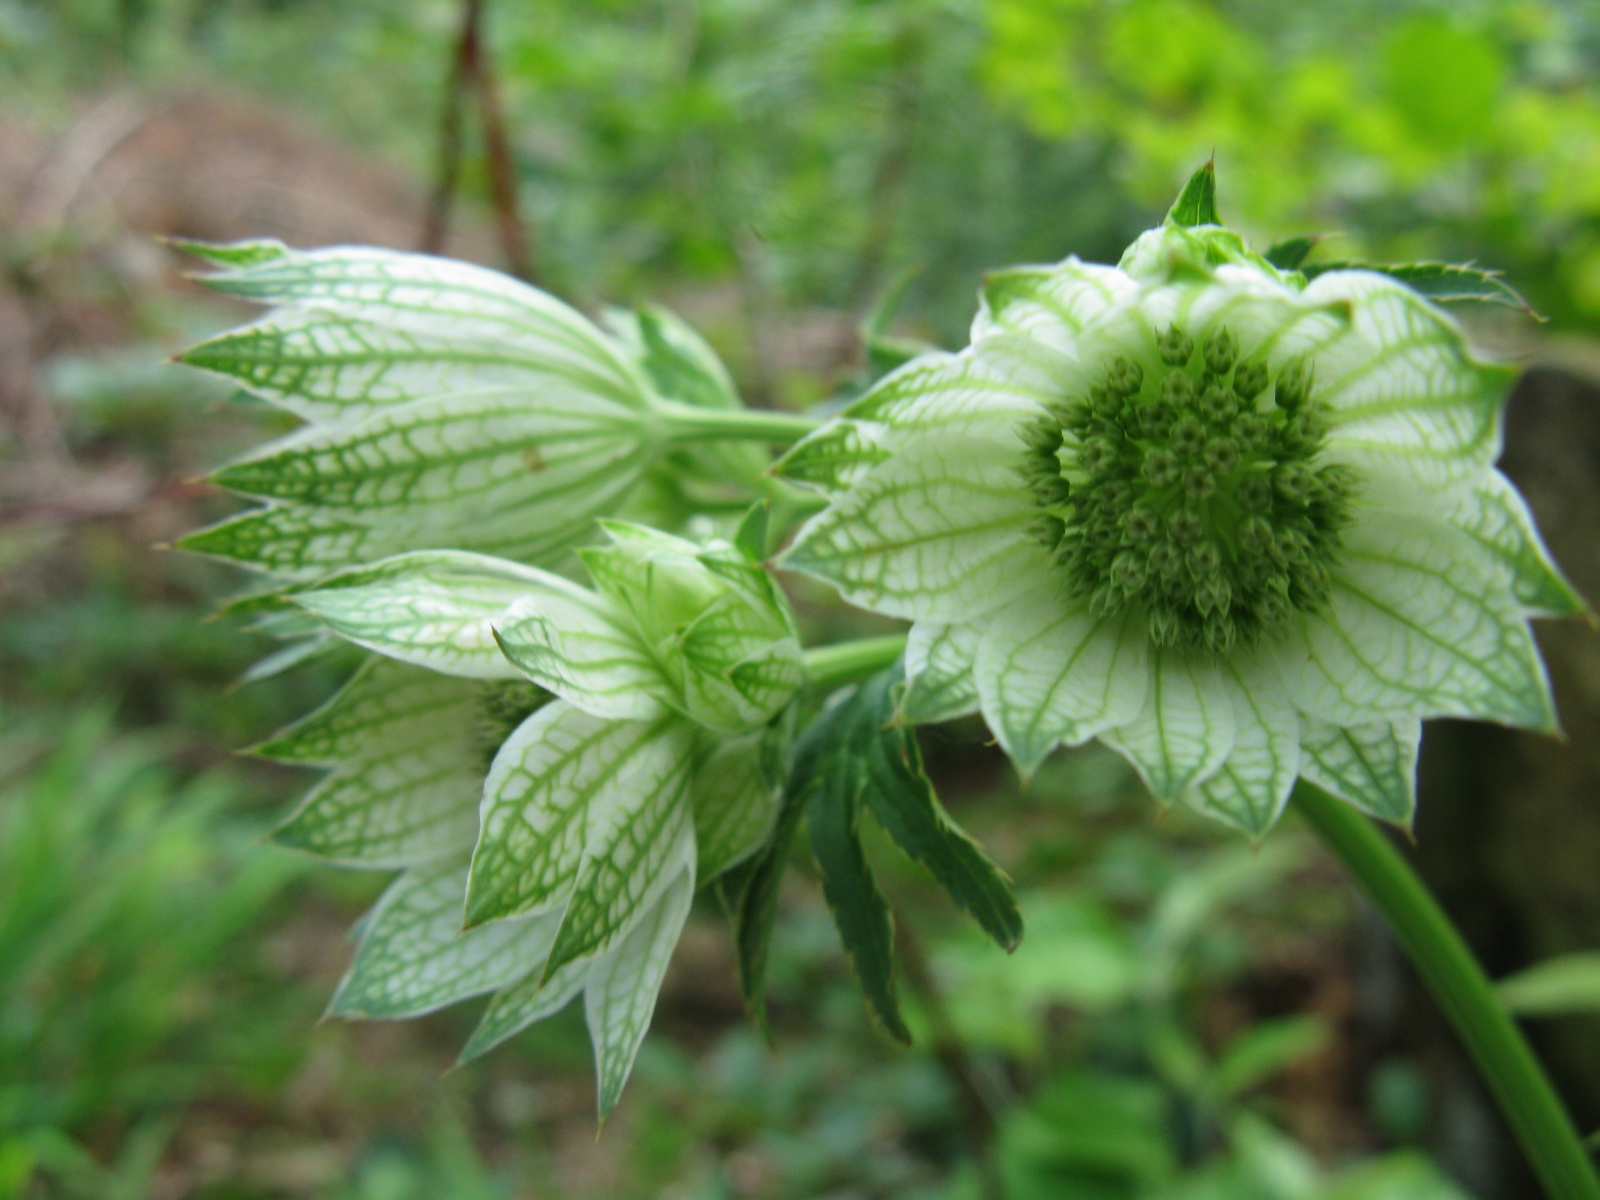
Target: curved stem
[[686, 423], [1458, 983], [846, 662]]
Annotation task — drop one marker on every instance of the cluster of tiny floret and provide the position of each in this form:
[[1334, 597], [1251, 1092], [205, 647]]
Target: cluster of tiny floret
[[1189, 489]]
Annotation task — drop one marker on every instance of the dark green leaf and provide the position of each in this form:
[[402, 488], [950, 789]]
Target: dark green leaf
[[833, 810], [1197, 203], [1288, 254], [903, 801], [749, 892], [856, 754], [1441, 282]]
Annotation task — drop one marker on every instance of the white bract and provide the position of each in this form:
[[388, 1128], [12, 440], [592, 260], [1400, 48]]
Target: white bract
[[649, 770], [445, 406], [1241, 527]]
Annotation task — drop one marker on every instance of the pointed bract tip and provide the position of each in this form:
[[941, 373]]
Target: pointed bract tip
[[1197, 203]]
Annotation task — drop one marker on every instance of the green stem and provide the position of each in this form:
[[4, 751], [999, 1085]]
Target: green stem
[[1458, 983], [846, 662], [686, 423]]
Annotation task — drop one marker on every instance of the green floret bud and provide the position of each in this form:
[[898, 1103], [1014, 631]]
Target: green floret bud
[[1124, 376], [1222, 349], [1250, 380], [1294, 387], [1218, 404], [1174, 347], [1165, 489]]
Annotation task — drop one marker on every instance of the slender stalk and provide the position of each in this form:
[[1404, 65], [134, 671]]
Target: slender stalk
[[686, 423], [1458, 983], [447, 173], [515, 240], [846, 662]]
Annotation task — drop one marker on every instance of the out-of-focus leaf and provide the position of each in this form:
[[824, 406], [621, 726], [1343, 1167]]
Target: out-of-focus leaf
[[1570, 983], [1263, 1050], [1090, 1134]]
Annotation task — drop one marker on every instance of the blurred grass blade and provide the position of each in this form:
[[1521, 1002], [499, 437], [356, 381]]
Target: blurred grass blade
[[1568, 984]]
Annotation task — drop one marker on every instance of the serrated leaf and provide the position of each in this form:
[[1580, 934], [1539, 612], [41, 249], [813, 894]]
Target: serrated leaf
[[1197, 203], [903, 801], [620, 994], [432, 608], [415, 957], [750, 893], [1288, 254], [855, 755], [1443, 283], [833, 811]]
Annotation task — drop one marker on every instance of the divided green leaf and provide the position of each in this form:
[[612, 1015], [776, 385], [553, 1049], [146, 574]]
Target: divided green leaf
[[856, 754], [1443, 283]]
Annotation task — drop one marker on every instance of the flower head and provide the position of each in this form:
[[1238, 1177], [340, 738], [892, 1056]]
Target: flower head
[[1239, 526]]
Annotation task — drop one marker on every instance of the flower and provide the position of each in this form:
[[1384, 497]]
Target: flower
[[1239, 526], [596, 813]]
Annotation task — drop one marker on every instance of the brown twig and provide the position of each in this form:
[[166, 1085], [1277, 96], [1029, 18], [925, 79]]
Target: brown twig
[[436, 224], [974, 1090], [472, 67]]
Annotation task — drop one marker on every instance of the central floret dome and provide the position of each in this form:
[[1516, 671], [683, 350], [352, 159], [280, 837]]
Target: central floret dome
[[1188, 485]]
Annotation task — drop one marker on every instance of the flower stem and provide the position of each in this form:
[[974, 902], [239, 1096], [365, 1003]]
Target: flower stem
[[1458, 983], [686, 423], [846, 662]]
